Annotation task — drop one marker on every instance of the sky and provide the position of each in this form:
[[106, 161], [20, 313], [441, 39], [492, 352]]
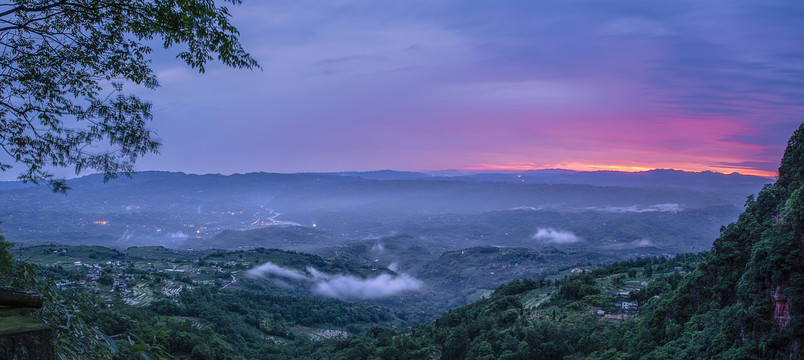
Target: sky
[[490, 85]]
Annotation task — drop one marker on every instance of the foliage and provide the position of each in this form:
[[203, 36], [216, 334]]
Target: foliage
[[6, 260], [65, 64]]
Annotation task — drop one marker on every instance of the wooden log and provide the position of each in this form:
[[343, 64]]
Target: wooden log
[[21, 298]]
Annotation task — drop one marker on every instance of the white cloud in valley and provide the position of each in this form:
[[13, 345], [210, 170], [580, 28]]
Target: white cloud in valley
[[352, 287], [178, 235], [667, 207], [270, 268], [551, 235], [342, 286], [640, 243]]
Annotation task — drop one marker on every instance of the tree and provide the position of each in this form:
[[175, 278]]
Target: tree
[[6, 260], [64, 64], [63, 67], [106, 279], [648, 271]]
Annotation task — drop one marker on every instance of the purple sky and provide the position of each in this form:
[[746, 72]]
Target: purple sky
[[436, 84]]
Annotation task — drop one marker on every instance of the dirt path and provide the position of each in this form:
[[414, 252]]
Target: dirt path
[[227, 285]]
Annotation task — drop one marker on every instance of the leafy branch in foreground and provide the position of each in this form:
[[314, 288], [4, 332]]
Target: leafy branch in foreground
[[63, 65]]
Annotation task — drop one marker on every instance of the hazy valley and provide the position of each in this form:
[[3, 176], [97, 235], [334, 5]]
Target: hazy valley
[[290, 265], [442, 240]]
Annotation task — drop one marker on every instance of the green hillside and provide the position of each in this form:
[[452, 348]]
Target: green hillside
[[742, 301]]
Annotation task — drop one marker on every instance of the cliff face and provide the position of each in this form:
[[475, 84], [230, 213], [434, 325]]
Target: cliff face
[[781, 303]]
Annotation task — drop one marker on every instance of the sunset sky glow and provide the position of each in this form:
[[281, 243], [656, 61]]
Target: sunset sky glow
[[424, 85]]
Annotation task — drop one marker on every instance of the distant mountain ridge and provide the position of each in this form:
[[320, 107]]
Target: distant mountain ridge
[[175, 209], [649, 178], [261, 186]]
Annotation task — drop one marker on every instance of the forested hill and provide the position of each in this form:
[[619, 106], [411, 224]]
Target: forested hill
[[743, 300], [752, 287], [747, 300]]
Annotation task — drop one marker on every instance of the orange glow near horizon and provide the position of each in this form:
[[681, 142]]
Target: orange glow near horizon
[[622, 168]]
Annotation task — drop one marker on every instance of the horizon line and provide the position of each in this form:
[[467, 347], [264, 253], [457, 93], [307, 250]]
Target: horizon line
[[469, 171]]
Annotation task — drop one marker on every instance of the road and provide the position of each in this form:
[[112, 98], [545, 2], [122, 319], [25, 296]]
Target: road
[[227, 285]]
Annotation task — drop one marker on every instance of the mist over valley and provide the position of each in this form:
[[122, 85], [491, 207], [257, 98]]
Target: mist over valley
[[443, 240]]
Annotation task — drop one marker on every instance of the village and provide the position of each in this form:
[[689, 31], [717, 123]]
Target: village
[[134, 280]]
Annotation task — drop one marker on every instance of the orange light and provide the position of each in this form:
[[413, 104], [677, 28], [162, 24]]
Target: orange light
[[622, 168]]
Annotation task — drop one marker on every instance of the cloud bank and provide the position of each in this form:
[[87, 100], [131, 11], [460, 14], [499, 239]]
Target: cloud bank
[[270, 268], [352, 287], [342, 286], [667, 207], [641, 243], [529, 208], [178, 235], [550, 235]]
